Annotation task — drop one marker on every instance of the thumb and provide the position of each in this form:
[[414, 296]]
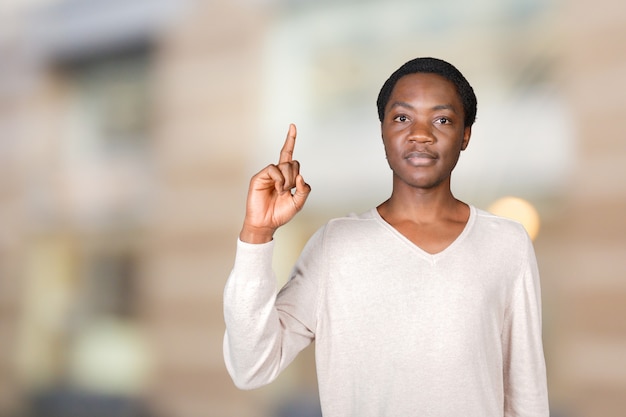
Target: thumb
[[302, 192]]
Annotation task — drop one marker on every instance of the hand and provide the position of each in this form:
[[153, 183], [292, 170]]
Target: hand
[[270, 202]]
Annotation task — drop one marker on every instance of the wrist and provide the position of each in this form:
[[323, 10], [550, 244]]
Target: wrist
[[256, 235]]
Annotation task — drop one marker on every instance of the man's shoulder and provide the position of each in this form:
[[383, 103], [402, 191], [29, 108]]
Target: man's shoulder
[[350, 225], [499, 228], [369, 214]]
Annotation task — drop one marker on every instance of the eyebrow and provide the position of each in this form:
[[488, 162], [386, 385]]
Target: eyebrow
[[437, 107]]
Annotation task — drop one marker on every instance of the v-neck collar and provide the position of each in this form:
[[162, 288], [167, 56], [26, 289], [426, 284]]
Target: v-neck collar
[[432, 256]]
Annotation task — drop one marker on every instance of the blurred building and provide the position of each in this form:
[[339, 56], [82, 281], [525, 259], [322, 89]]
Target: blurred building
[[120, 197], [128, 133], [582, 247]]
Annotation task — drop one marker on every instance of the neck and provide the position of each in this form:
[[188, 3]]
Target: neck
[[423, 205]]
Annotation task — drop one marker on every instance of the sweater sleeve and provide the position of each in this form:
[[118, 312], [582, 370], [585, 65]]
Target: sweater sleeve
[[525, 385], [264, 330]]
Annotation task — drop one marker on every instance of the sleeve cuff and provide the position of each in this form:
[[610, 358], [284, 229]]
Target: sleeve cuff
[[254, 257]]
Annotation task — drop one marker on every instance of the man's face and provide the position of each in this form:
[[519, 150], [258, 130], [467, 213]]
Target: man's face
[[423, 130]]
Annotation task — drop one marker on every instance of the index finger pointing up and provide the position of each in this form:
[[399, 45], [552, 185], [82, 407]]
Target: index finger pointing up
[[286, 153]]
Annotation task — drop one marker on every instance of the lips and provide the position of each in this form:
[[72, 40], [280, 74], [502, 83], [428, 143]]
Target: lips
[[420, 158]]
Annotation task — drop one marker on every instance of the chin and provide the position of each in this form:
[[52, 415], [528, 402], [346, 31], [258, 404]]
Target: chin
[[421, 184]]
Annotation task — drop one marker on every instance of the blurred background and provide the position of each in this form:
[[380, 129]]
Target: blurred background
[[129, 130]]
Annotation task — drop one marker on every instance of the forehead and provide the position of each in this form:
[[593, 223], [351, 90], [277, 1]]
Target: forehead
[[425, 86]]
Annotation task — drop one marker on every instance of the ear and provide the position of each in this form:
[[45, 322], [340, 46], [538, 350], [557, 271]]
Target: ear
[[466, 137]]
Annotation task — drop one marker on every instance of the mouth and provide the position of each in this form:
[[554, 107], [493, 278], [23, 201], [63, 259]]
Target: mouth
[[417, 158]]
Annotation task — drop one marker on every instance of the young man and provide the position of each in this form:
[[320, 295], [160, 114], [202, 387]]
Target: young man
[[422, 306]]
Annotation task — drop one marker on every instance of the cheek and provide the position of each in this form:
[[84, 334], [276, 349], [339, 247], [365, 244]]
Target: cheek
[[390, 150], [388, 153], [385, 145]]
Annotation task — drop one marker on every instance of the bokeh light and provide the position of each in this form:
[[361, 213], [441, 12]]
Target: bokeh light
[[518, 209]]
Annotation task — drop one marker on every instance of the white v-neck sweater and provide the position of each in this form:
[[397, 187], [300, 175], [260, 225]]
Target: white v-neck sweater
[[398, 331]]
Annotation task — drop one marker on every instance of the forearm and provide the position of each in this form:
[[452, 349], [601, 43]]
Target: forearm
[[265, 330], [252, 326]]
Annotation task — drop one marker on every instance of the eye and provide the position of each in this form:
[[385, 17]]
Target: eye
[[401, 118], [443, 120]]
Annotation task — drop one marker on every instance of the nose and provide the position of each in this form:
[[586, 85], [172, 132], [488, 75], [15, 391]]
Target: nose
[[421, 132]]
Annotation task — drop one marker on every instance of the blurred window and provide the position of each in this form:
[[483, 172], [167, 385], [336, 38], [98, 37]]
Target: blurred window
[[110, 105], [109, 284]]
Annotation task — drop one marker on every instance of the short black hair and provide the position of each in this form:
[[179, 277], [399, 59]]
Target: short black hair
[[432, 66]]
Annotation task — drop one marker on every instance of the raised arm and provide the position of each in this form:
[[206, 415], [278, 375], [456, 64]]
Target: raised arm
[[263, 335], [275, 195]]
